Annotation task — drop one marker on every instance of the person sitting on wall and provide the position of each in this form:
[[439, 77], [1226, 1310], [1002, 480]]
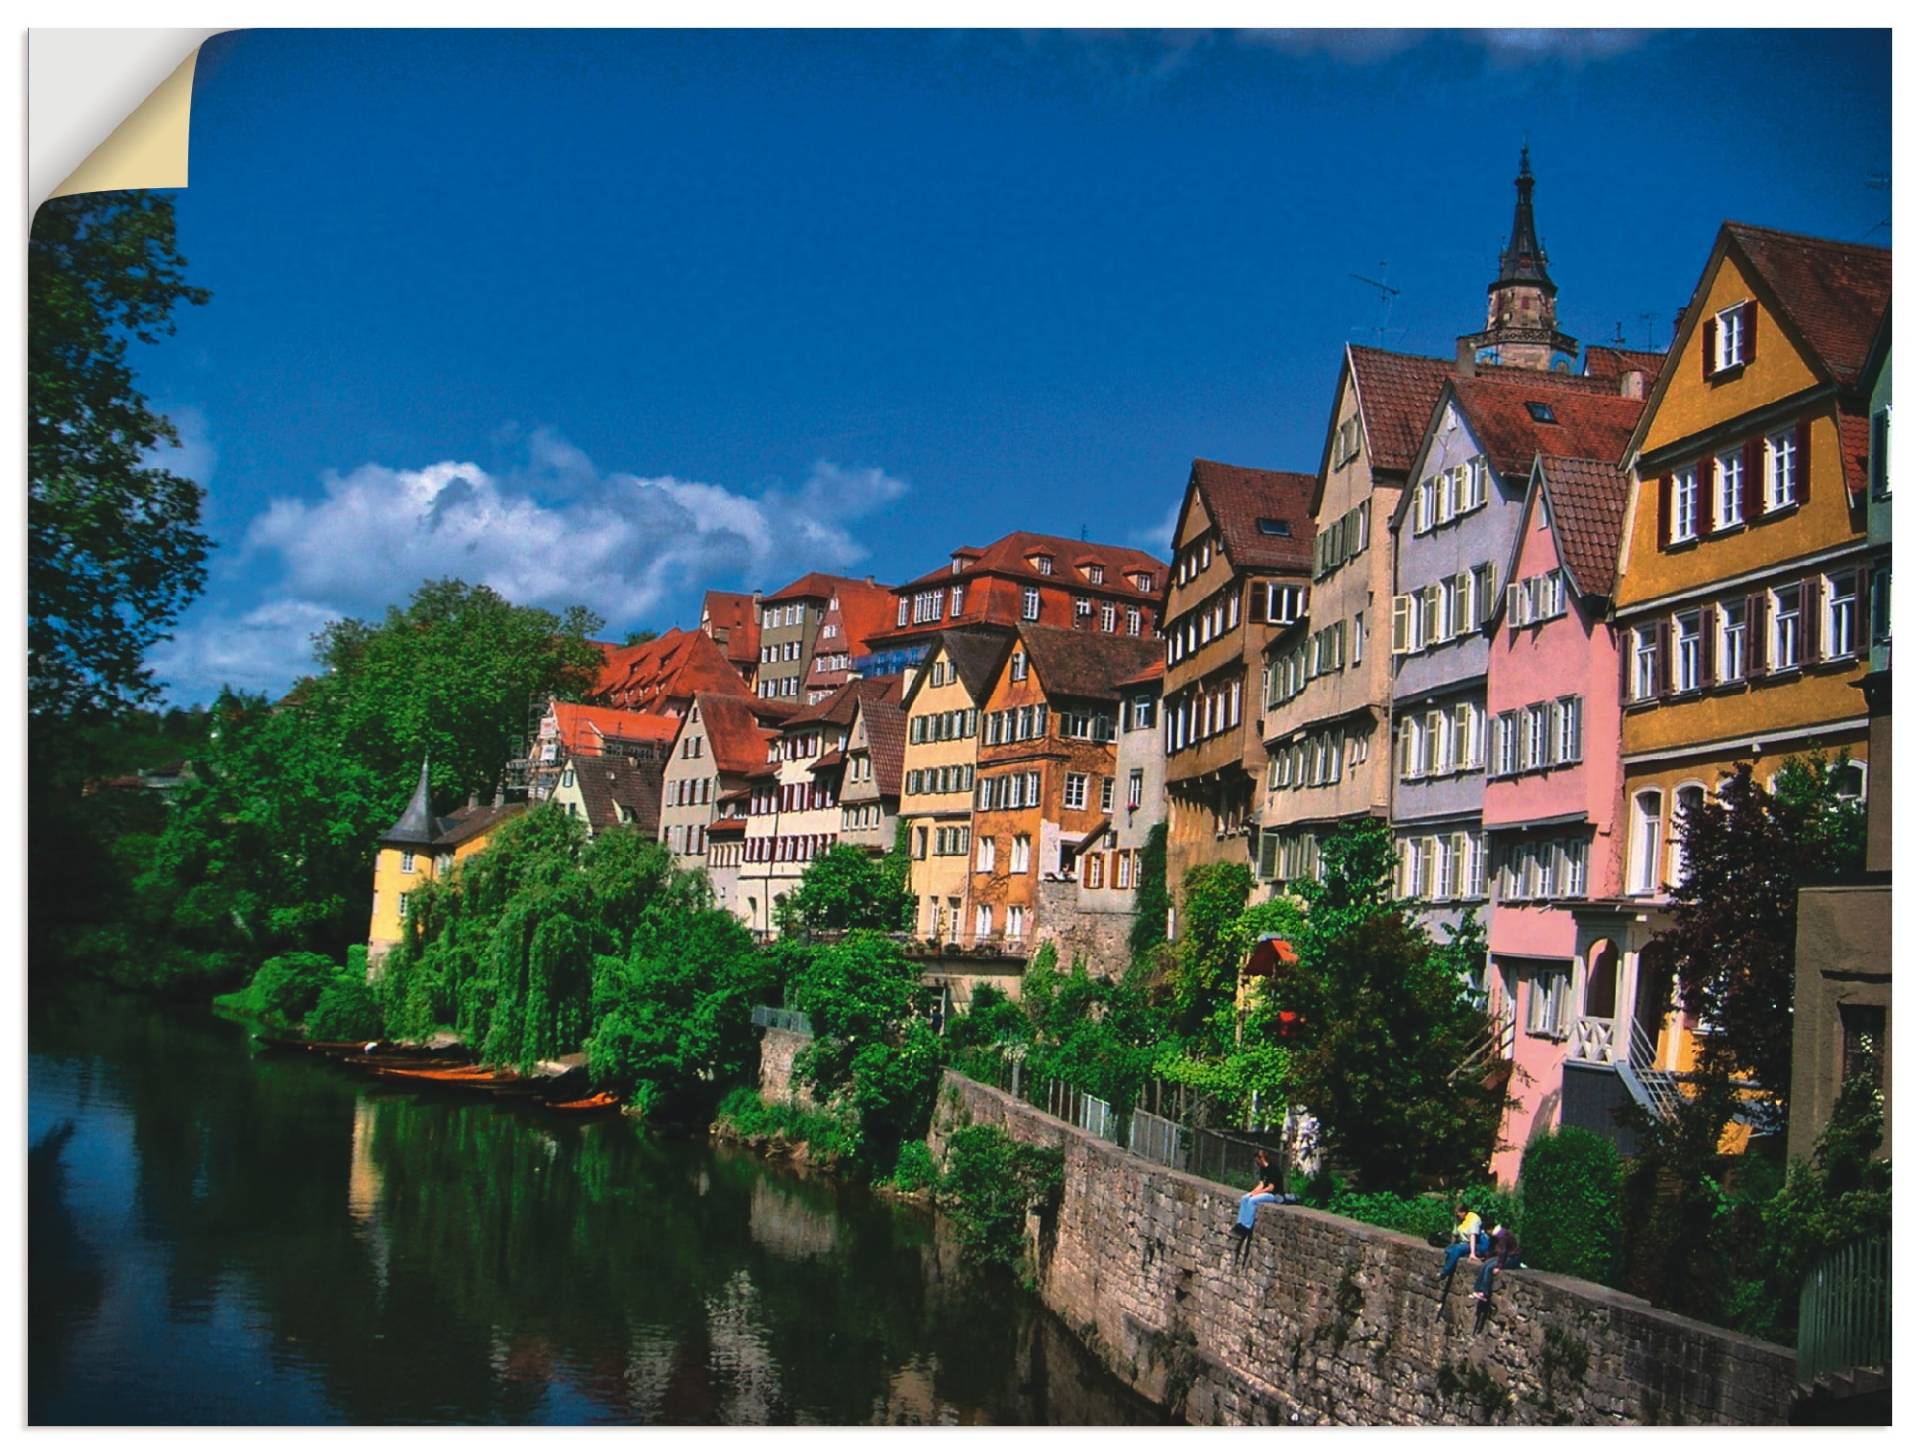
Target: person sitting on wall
[[1503, 1251], [1468, 1241], [1266, 1188]]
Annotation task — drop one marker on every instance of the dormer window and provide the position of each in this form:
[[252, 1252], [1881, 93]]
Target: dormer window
[[1097, 574], [1043, 564], [1143, 581]]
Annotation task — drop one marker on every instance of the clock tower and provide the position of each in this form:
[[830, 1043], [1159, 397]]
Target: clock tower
[[1523, 328]]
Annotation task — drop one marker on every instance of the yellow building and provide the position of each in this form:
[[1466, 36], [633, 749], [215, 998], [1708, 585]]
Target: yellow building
[[421, 847], [942, 704], [1742, 596]]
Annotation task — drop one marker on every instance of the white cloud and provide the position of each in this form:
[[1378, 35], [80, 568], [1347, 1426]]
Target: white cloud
[[1571, 47], [196, 456], [261, 650], [1355, 47], [1157, 537], [1503, 47], [554, 533]]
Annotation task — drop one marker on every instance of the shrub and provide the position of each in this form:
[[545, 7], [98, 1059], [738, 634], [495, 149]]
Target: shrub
[[346, 1010], [1425, 1217], [990, 1185], [1570, 1204], [287, 986], [913, 1168], [753, 1119]]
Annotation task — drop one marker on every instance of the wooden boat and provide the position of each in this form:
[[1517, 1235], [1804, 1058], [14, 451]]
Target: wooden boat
[[384, 1061], [590, 1105], [468, 1077]]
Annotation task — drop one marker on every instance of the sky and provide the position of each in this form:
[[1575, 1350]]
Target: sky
[[614, 318]]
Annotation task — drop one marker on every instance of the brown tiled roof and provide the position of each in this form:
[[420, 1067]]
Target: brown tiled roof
[[1609, 363], [1831, 293], [976, 653], [1587, 501], [836, 706], [1009, 556], [1515, 373], [886, 737], [1856, 439], [1152, 674], [1586, 425], [464, 823], [1084, 663], [1238, 498], [734, 615], [676, 664], [1396, 392], [737, 736], [827, 761], [608, 784], [818, 586]]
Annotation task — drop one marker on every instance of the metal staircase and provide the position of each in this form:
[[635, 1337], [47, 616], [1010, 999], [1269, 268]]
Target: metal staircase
[[1655, 1091]]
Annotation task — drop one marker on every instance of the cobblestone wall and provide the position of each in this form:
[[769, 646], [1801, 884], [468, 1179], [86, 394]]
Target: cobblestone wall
[[1331, 1321], [777, 1049], [1090, 925]]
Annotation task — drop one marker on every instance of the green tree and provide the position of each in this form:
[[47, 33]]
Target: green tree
[[1209, 954], [1570, 1204], [1151, 902], [114, 549], [847, 888]]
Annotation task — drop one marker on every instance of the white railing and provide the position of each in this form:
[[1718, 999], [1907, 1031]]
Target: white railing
[[1592, 1040]]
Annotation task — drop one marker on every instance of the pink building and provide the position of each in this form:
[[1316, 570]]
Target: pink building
[[1553, 791]]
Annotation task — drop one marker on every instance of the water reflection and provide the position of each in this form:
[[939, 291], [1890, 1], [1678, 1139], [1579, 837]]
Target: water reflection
[[220, 1235]]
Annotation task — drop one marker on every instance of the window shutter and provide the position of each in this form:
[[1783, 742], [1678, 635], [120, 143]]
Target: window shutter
[[1709, 645], [1666, 511], [1662, 649], [1749, 316], [1813, 626], [1463, 603], [1709, 329], [1858, 645], [1803, 461], [1751, 496], [1706, 494], [1623, 641], [1756, 635], [1516, 604], [1399, 625]]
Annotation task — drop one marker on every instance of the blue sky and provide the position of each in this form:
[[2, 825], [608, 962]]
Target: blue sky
[[616, 317]]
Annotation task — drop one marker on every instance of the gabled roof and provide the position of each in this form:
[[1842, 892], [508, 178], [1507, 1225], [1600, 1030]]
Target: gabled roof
[[1085, 663], [735, 616], [1396, 393], [583, 728], [1587, 506], [675, 664], [1585, 424], [608, 784], [1011, 555], [1238, 498], [886, 725], [976, 653], [470, 822], [1607, 362], [1151, 675], [866, 610], [1831, 293], [737, 730], [818, 586]]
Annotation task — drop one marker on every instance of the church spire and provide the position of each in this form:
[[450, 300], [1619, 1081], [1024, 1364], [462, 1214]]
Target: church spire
[[1524, 260]]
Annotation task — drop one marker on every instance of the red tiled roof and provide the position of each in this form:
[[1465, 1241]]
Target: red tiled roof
[[1587, 499], [737, 736], [584, 729], [1396, 392], [734, 615], [1238, 498], [1831, 293], [1150, 675], [1586, 425], [1010, 556], [818, 586], [1084, 663], [1856, 439], [865, 611], [1609, 363], [676, 664], [886, 724]]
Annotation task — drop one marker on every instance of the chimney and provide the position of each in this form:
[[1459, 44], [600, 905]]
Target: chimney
[[1633, 384], [1463, 358], [1679, 317]]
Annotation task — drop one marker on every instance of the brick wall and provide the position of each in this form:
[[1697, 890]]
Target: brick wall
[[1331, 1321]]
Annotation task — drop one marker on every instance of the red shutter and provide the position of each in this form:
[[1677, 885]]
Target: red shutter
[[1803, 461], [1750, 457], [1706, 495], [1749, 318], [1756, 634], [1666, 511], [1662, 654], [1709, 326], [1862, 584]]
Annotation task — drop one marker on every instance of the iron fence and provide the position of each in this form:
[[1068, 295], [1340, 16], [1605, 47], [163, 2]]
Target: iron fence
[[1846, 1311], [767, 1017]]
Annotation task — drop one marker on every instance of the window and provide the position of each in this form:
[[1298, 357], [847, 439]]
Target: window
[[1076, 790], [1645, 868], [1423, 502], [1549, 991], [1133, 620], [1882, 604], [1841, 615], [1566, 730], [1684, 524], [1506, 744], [1863, 1042], [406, 863], [1786, 629], [1446, 866], [1094, 863], [405, 899], [1106, 795], [983, 855], [1542, 413], [1359, 635], [1686, 651], [1686, 801], [1142, 712], [1729, 338], [1018, 669], [1783, 469], [1020, 855], [1732, 663], [1533, 740], [1029, 604], [1416, 860], [1468, 718], [919, 842], [1646, 660], [1728, 472], [1123, 869], [1016, 921]]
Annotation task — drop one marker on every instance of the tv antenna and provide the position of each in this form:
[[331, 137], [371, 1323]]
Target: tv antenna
[[1387, 295], [1619, 335], [1647, 318]]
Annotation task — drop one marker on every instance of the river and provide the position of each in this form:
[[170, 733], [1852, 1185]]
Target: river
[[219, 1234]]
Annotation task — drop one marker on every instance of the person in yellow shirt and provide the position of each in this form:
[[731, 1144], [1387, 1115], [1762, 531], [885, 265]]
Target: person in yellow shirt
[[1468, 1240]]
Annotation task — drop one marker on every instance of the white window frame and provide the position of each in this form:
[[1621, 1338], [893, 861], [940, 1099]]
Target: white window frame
[[1687, 641], [1685, 524], [1840, 609], [1784, 626], [1643, 864], [1729, 485], [1729, 337], [1783, 466]]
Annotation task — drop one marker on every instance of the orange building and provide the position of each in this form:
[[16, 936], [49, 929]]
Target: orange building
[[1742, 599], [1044, 776], [418, 848]]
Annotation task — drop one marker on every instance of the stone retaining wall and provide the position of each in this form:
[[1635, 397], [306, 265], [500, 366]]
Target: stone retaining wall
[[1332, 1321], [777, 1084]]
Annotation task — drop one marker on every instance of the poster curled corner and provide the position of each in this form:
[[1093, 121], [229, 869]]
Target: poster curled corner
[[147, 148]]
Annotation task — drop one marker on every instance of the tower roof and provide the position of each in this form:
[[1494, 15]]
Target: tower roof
[[1523, 260], [417, 824]]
